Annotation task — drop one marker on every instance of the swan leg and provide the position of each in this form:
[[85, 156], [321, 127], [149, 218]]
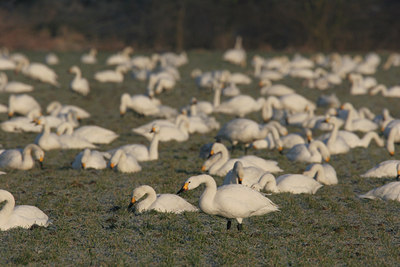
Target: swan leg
[[228, 225], [240, 226]]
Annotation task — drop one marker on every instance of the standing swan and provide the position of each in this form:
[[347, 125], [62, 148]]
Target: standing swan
[[24, 216], [161, 202], [21, 159], [229, 201], [79, 84]]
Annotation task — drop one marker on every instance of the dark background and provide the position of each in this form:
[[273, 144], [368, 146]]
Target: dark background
[[307, 25]]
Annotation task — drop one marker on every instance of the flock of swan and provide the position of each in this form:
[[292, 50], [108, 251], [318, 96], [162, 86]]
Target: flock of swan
[[248, 178]]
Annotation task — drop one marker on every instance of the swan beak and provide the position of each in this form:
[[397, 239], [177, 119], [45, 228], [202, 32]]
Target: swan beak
[[327, 159], [203, 168], [212, 152], [131, 204], [327, 120], [112, 165], [152, 130], [280, 149], [398, 176], [391, 153], [83, 165], [260, 84], [342, 107], [309, 138], [121, 114], [382, 129], [255, 147], [10, 114], [183, 189], [240, 180]]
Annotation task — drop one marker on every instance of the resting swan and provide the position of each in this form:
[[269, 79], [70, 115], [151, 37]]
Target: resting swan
[[313, 152], [390, 191], [391, 92], [243, 175], [119, 58], [55, 108], [89, 58], [159, 202], [90, 159], [112, 76], [23, 104], [386, 168], [276, 90], [21, 159], [79, 84], [323, 173], [240, 105], [219, 162], [24, 216], [141, 152], [124, 162], [357, 124], [38, 71], [92, 133], [291, 183], [230, 201], [13, 87]]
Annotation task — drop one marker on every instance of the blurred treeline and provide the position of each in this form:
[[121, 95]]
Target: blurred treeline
[[322, 25]]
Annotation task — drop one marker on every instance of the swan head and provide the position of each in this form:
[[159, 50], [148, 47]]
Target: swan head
[[193, 182], [238, 170], [155, 129], [74, 69]]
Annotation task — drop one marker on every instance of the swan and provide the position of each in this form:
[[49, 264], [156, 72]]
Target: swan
[[391, 92], [336, 144], [20, 124], [231, 90], [159, 202], [145, 129], [7, 64], [13, 87], [201, 123], [291, 102], [239, 78], [21, 158], [392, 132], [23, 104], [200, 107], [179, 133], [174, 59], [121, 57], [243, 175], [89, 58], [357, 124], [242, 131], [38, 71], [146, 106], [79, 84], [240, 105], [124, 162], [220, 164], [313, 152], [90, 159], [392, 60], [159, 82], [323, 173], [330, 101], [276, 90], [141, 152], [386, 168], [24, 216], [237, 55], [46, 139], [229, 201], [390, 191], [55, 108], [360, 85], [273, 140], [51, 59], [291, 183], [92, 133], [113, 76]]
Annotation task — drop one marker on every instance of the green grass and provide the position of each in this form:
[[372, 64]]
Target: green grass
[[333, 227]]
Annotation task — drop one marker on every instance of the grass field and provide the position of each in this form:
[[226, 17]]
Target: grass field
[[91, 225]]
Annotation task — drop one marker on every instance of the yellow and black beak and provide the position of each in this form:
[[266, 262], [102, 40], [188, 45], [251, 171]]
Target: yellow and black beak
[[398, 176], [203, 168], [10, 114], [112, 165], [152, 130], [211, 154], [183, 189], [280, 149], [327, 159], [131, 204], [391, 153], [83, 165]]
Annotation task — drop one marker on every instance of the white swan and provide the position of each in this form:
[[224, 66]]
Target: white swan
[[20, 124], [390, 191], [51, 59], [55, 108], [112, 76], [229, 201], [201, 123], [7, 64], [23, 104], [90, 159], [79, 84], [92, 133], [24, 216], [124, 162], [13, 87], [313, 152], [273, 140], [386, 168], [240, 105], [336, 144], [159, 202], [357, 124], [323, 173], [276, 90], [220, 164], [144, 105], [391, 92], [38, 71], [21, 158], [159, 82], [231, 90], [291, 183], [89, 58], [122, 57], [243, 175], [237, 55], [242, 131], [141, 152]]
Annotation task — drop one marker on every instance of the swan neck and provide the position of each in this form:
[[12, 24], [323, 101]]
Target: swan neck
[[268, 182], [217, 97], [153, 148], [8, 208], [206, 202], [148, 201]]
